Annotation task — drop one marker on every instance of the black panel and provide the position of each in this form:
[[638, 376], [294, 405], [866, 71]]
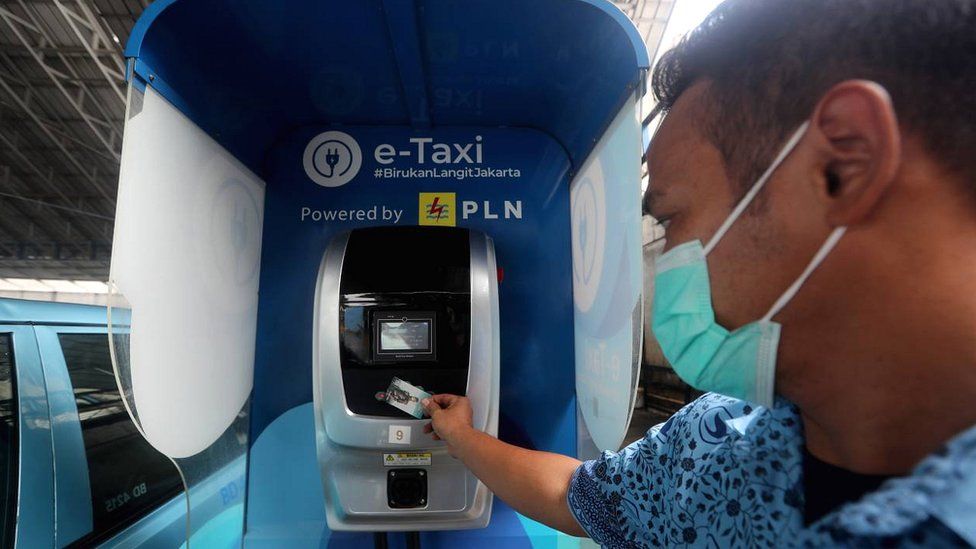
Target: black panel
[[406, 488], [414, 272], [362, 385], [406, 259], [452, 318], [9, 444]]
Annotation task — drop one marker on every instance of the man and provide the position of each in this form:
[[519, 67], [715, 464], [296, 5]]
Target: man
[[816, 173]]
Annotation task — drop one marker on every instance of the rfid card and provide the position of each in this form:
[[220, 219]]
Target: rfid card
[[406, 397]]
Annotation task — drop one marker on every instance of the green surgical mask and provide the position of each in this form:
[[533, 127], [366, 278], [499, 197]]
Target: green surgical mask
[[741, 363]]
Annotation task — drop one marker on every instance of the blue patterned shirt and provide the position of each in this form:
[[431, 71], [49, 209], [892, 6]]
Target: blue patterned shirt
[[724, 473]]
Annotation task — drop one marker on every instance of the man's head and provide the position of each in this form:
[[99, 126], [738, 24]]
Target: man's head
[[887, 86], [770, 61]]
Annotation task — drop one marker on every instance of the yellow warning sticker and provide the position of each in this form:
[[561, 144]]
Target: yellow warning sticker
[[407, 459], [438, 209]]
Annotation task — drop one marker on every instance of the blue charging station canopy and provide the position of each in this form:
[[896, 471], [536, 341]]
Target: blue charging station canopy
[[222, 220], [246, 72]]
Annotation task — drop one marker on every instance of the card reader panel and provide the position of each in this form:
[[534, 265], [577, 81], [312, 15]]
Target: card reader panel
[[405, 311]]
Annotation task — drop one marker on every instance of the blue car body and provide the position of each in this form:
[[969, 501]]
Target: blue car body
[[50, 501]]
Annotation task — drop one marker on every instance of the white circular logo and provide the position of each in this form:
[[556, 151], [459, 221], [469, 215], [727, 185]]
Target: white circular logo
[[235, 229], [588, 223], [332, 159]]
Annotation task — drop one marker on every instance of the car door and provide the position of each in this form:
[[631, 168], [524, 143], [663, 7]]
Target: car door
[[26, 458], [112, 487], [9, 444]]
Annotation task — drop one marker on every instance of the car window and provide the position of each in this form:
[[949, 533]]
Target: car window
[[128, 477], [8, 443]]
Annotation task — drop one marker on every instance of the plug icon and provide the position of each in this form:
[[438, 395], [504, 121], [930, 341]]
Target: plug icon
[[332, 160]]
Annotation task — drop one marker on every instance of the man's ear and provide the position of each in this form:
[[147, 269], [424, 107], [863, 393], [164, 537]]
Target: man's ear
[[862, 151]]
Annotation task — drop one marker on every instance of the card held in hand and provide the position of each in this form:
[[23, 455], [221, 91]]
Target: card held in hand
[[406, 397]]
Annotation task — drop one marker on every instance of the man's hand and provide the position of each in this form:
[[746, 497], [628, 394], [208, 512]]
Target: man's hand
[[450, 417], [534, 483]]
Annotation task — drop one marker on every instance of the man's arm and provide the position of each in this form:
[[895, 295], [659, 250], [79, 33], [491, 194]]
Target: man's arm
[[533, 483]]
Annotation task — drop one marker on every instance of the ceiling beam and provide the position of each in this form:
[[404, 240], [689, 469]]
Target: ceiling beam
[[64, 269], [47, 130], [46, 177], [32, 35], [15, 50], [90, 230], [87, 26], [37, 107], [44, 83]]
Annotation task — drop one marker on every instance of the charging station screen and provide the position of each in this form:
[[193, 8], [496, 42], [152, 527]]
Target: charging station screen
[[409, 335]]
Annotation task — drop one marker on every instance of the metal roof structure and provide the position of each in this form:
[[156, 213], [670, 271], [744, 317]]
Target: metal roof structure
[[651, 18], [62, 108]]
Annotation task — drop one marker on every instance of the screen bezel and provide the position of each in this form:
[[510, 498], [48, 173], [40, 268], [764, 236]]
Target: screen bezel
[[381, 325], [380, 355]]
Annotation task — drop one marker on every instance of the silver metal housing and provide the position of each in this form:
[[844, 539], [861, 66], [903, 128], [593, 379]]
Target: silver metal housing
[[350, 447]]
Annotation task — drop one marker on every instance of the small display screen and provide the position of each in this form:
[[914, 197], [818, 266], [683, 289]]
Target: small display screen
[[404, 336]]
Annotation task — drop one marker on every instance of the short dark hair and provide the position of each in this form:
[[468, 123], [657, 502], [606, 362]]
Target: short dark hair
[[769, 62]]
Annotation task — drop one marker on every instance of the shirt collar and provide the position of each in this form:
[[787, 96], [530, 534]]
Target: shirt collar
[[956, 506], [942, 486], [782, 411]]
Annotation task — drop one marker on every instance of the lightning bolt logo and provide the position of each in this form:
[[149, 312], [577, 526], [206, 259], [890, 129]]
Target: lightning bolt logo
[[436, 208]]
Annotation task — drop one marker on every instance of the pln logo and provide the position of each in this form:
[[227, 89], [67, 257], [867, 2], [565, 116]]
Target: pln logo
[[332, 159], [438, 209]]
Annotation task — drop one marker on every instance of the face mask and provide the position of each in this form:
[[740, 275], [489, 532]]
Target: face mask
[[740, 364]]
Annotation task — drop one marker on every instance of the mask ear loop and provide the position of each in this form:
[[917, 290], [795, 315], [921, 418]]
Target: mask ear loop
[[744, 203], [791, 292]]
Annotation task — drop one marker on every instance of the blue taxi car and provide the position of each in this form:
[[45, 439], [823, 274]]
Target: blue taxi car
[[74, 469]]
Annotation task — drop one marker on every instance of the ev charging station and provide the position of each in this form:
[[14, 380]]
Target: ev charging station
[[382, 314], [317, 197]]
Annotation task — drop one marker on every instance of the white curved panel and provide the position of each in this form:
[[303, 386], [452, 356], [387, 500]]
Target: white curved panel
[[605, 200], [186, 258]]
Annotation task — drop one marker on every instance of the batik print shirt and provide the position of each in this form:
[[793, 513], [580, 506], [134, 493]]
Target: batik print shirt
[[724, 473]]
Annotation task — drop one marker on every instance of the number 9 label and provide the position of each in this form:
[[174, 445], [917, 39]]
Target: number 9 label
[[399, 434]]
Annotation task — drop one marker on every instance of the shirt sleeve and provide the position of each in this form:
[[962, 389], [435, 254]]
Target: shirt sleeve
[[609, 496]]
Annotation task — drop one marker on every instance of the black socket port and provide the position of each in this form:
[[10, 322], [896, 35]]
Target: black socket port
[[406, 488]]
